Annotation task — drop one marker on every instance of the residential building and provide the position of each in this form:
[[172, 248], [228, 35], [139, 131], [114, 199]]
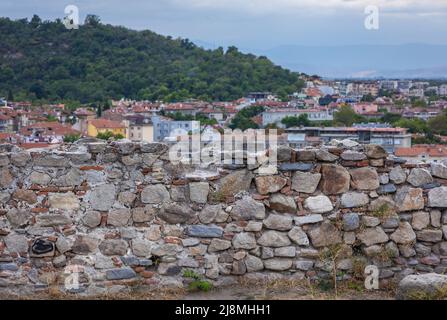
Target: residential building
[[46, 132], [6, 123], [389, 138], [274, 116], [140, 128], [83, 116], [96, 126], [423, 153], [365, 108], [165, 128], [443, 90]]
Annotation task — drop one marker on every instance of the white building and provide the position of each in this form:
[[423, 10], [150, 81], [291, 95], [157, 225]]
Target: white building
[[276, 115]]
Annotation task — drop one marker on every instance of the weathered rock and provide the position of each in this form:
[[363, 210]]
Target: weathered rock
[[351, 155], [282, 203], [202, 231], [253, 263], [167, 249], [370, 236], [247, 208], [239, 267], [278, 222], [235, 182], [92, 219], [198, 191], [155, 193], [102, 197], [416, 287], [270, 184], [52, 220], [274, 239], [278, 264], [387, 188], [253, 226], [285, 252], [398, 175], [244, 240], [304, 265], [16, 243], [408, 199], [308, 219], [51, 160], [428, 235], [209, 213], [354, 199], [126, 198], [220, 245], [435, 218], [325, 235], [404, 234], [141, 248], [18, 218], [419, 177], [143, 214], [375, 151], [118, 217], [368, 221], [351, 221], [305, 155], [85, 244], [437, 197], [305, 182], [364, 179], [64, 201], [439, 170], [298, 236], [120, 274], [283, 153], [326, 156], [6, 178], [112, 247], [420, 220], [318, 204], [39, 178], [176, 213], [335, 179], [20, 159], [71, 179], [296, 166]]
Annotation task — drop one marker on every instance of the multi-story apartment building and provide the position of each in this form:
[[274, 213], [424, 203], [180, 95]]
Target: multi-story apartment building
[[165, 128], [389, 138], [443, 90], [274, 116]]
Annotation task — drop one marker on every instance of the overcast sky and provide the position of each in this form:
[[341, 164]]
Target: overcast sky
[[260, 24]]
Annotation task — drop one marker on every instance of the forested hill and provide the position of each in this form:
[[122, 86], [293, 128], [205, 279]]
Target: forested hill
[[44, 60]]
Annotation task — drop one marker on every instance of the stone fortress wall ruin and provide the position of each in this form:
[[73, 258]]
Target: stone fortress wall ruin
[[121, 215]]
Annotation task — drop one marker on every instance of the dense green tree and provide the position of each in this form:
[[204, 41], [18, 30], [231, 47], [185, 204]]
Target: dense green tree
[[438, 124], [294, 121], [413, 125], [100, 62], [347, 116]]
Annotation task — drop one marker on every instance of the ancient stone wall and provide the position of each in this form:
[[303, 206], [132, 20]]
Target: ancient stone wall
[[121, 215]]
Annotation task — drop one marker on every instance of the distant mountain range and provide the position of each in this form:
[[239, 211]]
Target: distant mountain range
[[363, 61]]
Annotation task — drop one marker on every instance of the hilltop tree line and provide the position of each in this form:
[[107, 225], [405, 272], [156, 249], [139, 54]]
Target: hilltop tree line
[[44, 61]]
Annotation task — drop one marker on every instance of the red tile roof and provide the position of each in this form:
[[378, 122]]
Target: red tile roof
[[49, 129], [417, 150], [106, 124]]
